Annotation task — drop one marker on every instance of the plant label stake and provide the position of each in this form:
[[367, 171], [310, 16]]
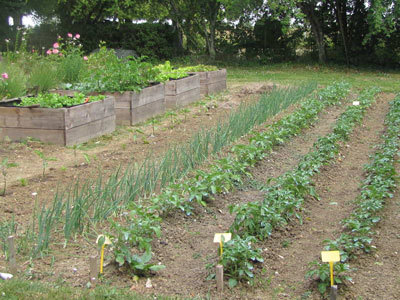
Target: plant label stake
[[220, 238], [219, 274], [331, 257], [103, 241], [94, 269], [11, 255]]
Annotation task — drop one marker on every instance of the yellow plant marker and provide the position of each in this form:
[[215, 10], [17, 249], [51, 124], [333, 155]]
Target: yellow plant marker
[[330, 257], [222, 237], [107, 241]]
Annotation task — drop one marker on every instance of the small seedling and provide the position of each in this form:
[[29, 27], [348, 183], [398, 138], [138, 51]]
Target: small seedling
[[4, 166], [45, 159], [23, 181]]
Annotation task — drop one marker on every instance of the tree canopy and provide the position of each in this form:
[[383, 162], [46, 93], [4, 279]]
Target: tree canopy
[[347, 31]]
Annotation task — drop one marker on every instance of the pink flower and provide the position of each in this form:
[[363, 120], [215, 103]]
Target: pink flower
[[77, 36], [69, 35], [56, 45], [4, 75], [60, 54], [55, 51], [85, 58], [48, 52]]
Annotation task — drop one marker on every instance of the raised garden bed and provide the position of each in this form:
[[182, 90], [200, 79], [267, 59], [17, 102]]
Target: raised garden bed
[[132, 107], [212, 81], [64, 126], [180, 92]]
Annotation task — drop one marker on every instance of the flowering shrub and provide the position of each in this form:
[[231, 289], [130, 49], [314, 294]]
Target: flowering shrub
[[69, 55], [12, 81]]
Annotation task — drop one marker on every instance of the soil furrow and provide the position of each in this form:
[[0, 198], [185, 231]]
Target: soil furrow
[[186, 246], [119, 150], [377, 275], [288, 252]]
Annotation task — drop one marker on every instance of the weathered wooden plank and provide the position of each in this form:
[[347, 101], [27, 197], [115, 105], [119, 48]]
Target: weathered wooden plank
[[89, 112], [144, 112], [45, 135], [170, 88], [90, 130], [45, 118], [187, 84], [216, 87], [214, 76], [175, 87], [148, 95], [123, 116], [182, 98], [212, 81]]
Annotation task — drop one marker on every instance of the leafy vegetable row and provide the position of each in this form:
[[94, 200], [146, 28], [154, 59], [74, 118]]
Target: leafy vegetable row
[[58, 101], [142, 223], [284, 198], [378, 186]]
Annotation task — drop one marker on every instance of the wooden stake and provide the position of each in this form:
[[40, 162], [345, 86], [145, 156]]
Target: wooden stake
[[334, 293], [94, 269], [220, 278], [11, 256]]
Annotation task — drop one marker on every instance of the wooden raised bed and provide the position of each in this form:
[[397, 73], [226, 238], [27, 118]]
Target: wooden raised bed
[[64, 126], [212, 81], [132, 107], [182, 91]]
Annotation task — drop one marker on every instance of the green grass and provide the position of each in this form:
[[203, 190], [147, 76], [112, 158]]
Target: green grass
[[292, 74], [16, 289]]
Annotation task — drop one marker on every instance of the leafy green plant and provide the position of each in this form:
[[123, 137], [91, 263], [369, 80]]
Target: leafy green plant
[[4, 166], [107, 73], [321, 273], [58, 101], [45, 159], [239, 259], [199, 68], [166, 72]]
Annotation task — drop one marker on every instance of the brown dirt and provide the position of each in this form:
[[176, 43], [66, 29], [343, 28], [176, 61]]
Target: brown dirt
[[289, 251], [186, 244], [105, 153], [377, 275]]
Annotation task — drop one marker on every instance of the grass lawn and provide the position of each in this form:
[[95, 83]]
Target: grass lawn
[[324, 75]]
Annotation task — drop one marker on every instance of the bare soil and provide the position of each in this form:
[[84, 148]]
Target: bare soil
[[186, 244]]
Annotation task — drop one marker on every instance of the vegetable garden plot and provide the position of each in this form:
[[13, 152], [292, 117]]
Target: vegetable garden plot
[[64, 126], [245, 113]]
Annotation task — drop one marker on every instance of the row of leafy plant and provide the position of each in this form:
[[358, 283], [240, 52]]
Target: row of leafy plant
[[379, 185], [284, 197], [137, 228], [79, 208]]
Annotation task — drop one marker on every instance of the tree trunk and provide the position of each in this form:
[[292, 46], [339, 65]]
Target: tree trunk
[[213, 10], [178, 37], [341, 7], [211, 47], [316, 28]]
